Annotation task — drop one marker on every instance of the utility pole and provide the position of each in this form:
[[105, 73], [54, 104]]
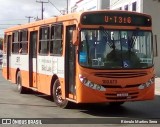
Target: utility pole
[[67, 6], [42, 2], [29, 17]]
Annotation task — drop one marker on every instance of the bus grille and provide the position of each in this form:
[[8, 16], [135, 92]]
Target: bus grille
[[119, 86], [113, 96], [120, 74]]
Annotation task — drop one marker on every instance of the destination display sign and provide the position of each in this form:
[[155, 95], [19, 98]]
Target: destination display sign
[[110, 18]]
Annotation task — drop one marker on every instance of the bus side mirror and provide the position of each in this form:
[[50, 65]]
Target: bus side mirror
[[75, 37]]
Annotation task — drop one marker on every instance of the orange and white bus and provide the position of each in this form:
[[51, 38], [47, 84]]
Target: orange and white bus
[[85, 57]]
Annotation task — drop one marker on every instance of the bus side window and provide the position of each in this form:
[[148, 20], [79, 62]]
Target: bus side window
[[44, 40], [23, 46], [15, 43], [56, 39], [5, 44]]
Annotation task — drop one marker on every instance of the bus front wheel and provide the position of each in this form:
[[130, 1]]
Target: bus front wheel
[[57, 95]]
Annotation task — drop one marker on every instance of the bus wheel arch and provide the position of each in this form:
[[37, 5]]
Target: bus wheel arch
[[17, 71], [54, 78]]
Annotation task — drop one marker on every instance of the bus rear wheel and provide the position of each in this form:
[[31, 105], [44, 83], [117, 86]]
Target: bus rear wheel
[[20, 88], [57, 95]]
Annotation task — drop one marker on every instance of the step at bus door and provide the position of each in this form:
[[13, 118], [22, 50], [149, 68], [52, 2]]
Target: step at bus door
[[70, 66], [33, 59]]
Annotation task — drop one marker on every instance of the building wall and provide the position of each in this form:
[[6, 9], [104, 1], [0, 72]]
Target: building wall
[[105, 4], [83, 5], [87, 5], [121, 5], [152, 7]]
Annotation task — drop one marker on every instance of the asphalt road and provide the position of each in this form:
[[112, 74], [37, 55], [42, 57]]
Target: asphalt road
[[35, 105]]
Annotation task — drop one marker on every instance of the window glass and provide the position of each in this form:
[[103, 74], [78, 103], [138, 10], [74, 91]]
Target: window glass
[[44, 40], [45, 33], [5, 44], [115, 49], [56, 40], [15, 43], [15, 47], [15, 36], [134, 6], [24, 35], [58, 32], [43, 47], [23, 46], [126, 7]]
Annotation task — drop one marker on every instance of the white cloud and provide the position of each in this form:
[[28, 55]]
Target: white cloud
[[15, 11]]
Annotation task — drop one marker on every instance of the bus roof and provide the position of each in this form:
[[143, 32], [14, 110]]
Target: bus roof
[[52, 20], [71, 16]]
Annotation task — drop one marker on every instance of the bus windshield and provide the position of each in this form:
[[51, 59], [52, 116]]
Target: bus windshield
[[115, 49]]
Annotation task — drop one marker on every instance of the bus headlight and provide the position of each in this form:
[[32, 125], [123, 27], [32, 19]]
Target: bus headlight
[[90, 84], [147, 84]]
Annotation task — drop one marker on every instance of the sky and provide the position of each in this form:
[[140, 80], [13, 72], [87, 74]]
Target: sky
[[13, 12]]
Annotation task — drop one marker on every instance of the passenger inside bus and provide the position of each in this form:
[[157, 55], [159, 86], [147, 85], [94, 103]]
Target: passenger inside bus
[[20, 50], [126, 57]]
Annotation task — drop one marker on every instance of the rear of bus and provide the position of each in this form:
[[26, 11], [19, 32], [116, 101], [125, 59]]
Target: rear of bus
[[115, 57]]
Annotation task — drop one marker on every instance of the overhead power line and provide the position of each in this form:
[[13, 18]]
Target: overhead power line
[[114, 3], [2, 28], [9, 24], [12, 19], [55, 7]]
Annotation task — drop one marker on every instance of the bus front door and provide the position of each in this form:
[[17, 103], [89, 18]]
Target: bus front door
[[70, 65], [9, 38], [33, 59]]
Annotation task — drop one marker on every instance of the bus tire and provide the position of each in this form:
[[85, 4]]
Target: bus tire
[[116, 104], [57, 95], [20, 88]]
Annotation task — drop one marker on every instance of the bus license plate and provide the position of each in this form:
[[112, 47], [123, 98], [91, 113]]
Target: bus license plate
[[122, 94]]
